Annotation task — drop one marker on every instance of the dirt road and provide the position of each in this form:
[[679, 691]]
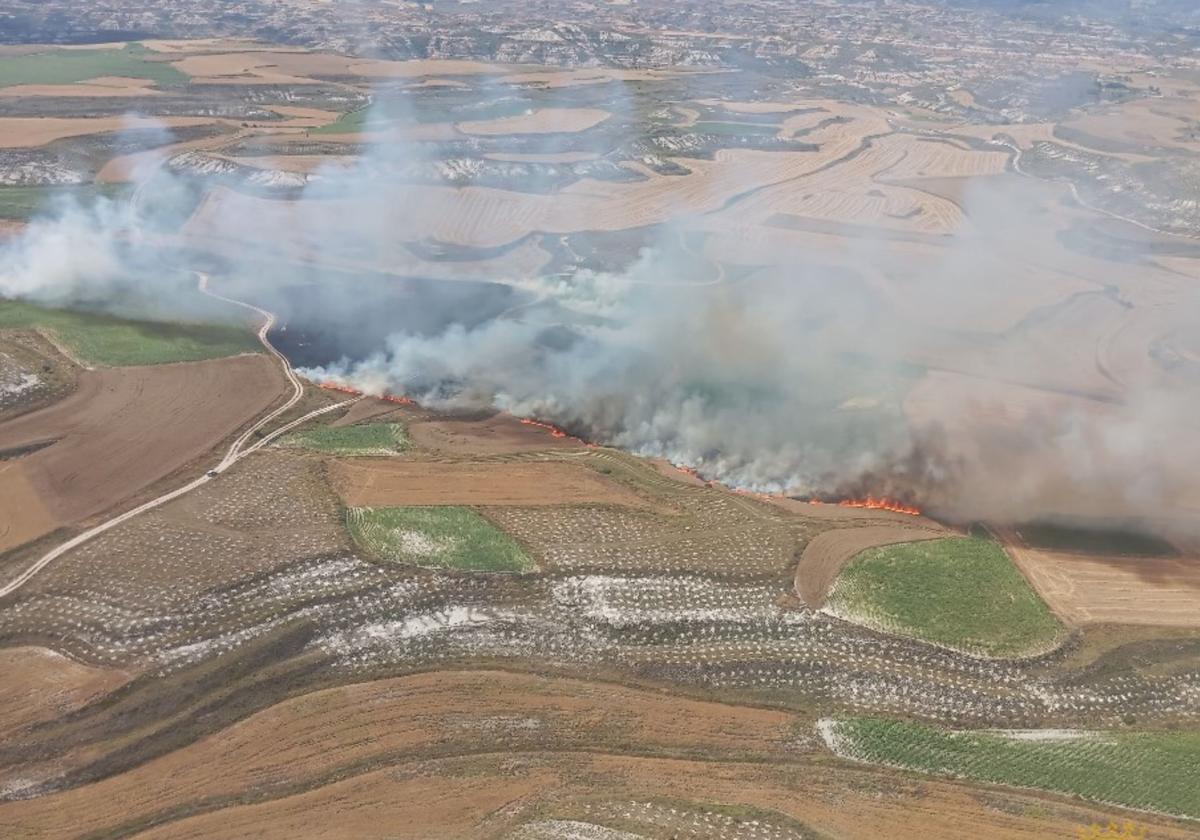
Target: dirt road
[[236, 452]]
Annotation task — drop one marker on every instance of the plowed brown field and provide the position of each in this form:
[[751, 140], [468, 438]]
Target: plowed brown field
[[389, 482], [122, 430], [1162, 591]]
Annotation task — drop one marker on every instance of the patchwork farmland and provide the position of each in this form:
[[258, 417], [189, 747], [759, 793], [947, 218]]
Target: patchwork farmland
[[245, 600]]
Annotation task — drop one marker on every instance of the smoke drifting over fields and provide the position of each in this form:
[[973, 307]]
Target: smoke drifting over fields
[[798, 374]]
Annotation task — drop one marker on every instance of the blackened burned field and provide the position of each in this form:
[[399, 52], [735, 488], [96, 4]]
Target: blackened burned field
[[352, 316]]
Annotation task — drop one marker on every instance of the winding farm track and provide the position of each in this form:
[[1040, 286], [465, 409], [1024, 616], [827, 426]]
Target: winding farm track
[[237, 450]]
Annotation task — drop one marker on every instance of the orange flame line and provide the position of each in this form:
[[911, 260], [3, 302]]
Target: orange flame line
[[552, 429], [884, 503], [346, 389]]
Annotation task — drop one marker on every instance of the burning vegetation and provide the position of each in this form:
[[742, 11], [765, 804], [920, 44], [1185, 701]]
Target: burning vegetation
[[346, 389], [870, 503], [551, 428]]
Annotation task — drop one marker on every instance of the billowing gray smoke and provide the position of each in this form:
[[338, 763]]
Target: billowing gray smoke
[[740, 380], [851, 366]]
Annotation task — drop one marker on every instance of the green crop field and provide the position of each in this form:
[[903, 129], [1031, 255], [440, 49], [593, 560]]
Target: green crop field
[[1055, 537], [347, 123], [61, 67], [21, 203], [964, 593], [1158, 771], [107, 340], [443, 537], [363, 439]]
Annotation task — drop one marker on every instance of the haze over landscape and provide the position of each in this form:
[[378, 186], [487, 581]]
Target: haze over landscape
[[599, 420]]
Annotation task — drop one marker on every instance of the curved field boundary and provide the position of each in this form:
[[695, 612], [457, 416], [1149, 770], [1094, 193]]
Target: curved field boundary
[[831, 551], [238, 450]]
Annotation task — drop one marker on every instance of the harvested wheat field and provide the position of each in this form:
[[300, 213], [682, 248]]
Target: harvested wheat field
[[371, 483], [41, 684], [540, 121], [1158, 591], [125, 428], [464, 754], [488, 217], [103, 86], [294, 67], [828, 553], [406, 717], [495, 435], [22, 132], [476, 796]]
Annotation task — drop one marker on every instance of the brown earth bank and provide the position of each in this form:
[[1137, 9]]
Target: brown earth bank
[[378, 483], [830, 551], [121, 430], [476, 753]]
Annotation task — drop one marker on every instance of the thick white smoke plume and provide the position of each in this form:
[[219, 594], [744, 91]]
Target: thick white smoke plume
[[69, 256], [864, 365]]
